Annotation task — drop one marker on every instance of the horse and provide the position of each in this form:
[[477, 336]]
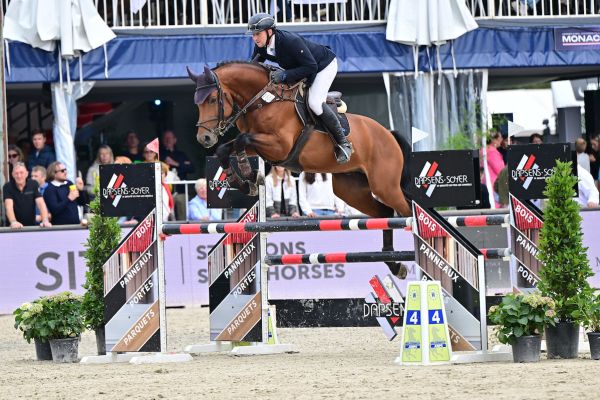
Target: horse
[[241, 93]]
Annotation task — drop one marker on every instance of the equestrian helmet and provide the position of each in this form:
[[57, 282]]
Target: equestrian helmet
[[260, 22]]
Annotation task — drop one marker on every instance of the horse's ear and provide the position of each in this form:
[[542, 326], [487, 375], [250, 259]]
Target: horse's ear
[[208, 74], [191, 74]]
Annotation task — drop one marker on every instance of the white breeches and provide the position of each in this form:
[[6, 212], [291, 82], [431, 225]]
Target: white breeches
[[318, 90]]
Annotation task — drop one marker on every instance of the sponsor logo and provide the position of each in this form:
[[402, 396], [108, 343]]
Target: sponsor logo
[[117, 189], [431, 178], [528, 170], [580, 38], [219, 183]]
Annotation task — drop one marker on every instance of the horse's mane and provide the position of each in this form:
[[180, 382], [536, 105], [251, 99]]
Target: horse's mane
[[264, 67]]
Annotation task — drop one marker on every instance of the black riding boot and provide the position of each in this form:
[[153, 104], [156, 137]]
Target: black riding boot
[[343, 148]]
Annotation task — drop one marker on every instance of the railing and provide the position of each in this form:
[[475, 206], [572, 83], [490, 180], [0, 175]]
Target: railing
[[170, 14], [533, 8]]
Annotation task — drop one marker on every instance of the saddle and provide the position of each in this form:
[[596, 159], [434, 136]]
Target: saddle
[[334, 101]]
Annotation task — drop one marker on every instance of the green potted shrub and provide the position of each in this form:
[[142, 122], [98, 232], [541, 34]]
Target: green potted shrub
[[566, 268], [103, 239], [589, 313], [65, 324], [31, 320], [521, 319]]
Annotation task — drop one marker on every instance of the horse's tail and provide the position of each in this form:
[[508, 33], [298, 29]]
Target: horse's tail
[[406, 150]]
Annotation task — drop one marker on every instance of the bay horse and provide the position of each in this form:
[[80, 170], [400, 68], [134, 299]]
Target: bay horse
[[241, 93]]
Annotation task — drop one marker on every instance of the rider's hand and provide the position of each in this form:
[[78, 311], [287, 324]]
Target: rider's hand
[[278, 76]]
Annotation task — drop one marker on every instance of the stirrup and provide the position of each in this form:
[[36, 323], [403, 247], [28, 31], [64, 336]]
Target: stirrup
[[342, 154]]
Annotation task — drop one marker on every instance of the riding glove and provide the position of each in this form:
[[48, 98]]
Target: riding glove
[[278, 76]]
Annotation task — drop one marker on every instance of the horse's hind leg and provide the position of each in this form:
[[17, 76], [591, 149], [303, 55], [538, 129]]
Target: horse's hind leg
[[354, 189]]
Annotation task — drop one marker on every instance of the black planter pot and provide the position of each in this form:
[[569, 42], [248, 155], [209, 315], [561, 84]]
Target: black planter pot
[[527, 349], [562, 340], [100, 341], [42, 350], [594, 339]]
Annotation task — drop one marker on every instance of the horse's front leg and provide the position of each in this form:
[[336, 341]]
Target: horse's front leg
[[240, 144], [235, 181]]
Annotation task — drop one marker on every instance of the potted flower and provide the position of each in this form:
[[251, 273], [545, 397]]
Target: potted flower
[[104, 236], [31, 320], [566, 268], [589, 313], [65, 324], [521, 319]]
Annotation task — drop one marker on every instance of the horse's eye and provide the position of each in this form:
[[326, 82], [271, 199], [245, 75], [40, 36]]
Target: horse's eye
[[212, 100]]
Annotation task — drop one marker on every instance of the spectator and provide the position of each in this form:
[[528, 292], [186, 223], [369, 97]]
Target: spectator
[[15, 155], [198, 208], [103, 157], [316, 197], [38, 174], [167, 198], [134, 151], [495, 162], [62, 196], [503, 148], [500, 187], [176, 159], [587, 191], [595, 157], [536, 138], [281, 197], [583, 159], [149, 155], [21, 196], [42, 153]]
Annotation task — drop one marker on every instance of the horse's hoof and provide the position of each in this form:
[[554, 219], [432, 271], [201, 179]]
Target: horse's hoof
[[398, 269], [252, 189]]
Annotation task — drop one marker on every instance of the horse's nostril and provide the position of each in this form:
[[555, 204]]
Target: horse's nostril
[[207, 138]]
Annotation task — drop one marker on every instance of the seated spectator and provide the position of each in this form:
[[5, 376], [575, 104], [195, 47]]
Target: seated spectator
[[21, 196], [176, 159], [149, 155], [38, 174], [103, 157], [316, 197], [583, 159], [536, 138], [594, 154], [587, 192], [42, 154], [15, 155], [62, 196], [134, 151], [281, 197], [198, 208]]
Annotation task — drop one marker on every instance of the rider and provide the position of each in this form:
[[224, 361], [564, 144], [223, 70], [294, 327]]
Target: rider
[[301, 59]]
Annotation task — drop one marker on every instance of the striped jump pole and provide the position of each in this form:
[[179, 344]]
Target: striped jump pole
[[367, 256], [308, 225], [301, 225]]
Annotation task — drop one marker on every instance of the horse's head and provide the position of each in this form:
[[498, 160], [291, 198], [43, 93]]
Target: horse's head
[[209, 97]]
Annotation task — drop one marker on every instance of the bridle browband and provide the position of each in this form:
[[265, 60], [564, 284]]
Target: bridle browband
[[223, 125]]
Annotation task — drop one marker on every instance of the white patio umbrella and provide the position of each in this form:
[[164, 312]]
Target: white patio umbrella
[[428, 23], [75, 27]]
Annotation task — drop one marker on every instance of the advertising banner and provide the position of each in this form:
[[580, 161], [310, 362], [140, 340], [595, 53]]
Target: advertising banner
[[45, 262], [127, 190], [234, 272], [219, 194], [442, 178], [444, 255], [575, 39], [530, 165], [526, 221]]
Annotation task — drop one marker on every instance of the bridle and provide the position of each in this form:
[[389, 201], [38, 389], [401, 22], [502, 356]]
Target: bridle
[[225, 123]]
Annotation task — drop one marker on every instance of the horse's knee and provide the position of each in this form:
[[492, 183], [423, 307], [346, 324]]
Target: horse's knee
[[242, 141], [222, 154]]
